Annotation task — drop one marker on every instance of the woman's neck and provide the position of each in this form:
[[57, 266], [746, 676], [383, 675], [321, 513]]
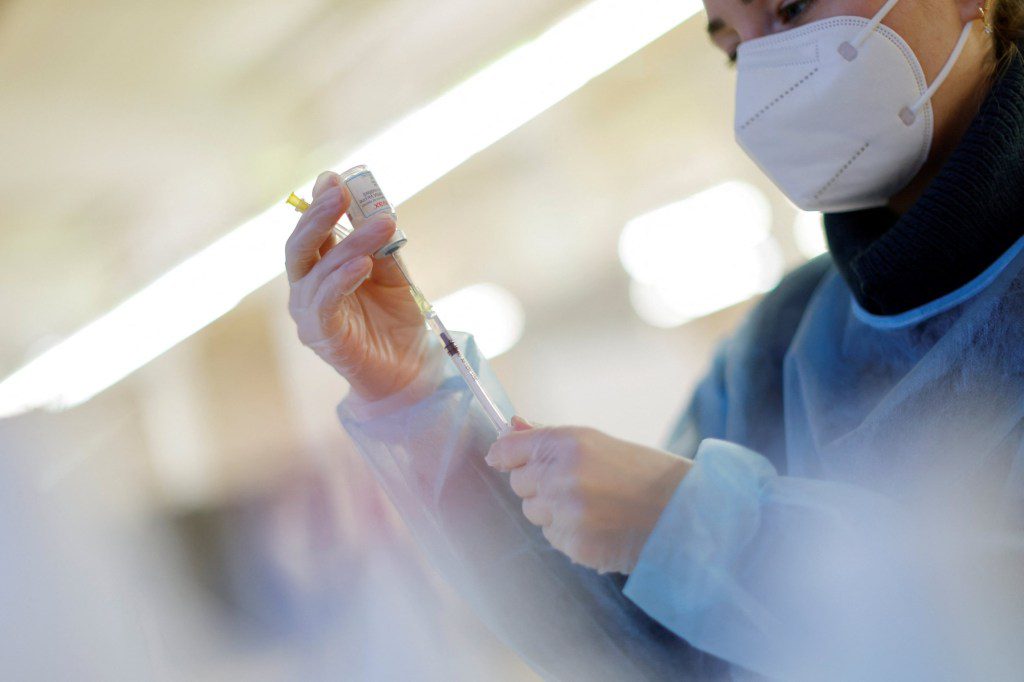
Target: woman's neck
[[967, 210]]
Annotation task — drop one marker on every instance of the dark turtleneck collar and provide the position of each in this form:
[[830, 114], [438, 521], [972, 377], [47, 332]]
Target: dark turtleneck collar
[[967, 217]]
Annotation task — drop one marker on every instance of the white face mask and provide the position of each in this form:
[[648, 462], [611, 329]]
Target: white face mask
[[836, 112]]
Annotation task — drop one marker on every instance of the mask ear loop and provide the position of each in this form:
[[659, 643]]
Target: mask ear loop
[[909, 114], [851, 48]]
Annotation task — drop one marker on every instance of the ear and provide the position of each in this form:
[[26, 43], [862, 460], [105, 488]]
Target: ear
[[971, 10]]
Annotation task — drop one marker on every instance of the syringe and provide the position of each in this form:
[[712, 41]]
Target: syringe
[[368, 200], [498, 420]]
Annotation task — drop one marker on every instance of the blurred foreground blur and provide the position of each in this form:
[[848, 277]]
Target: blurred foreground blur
[[206, 518], [276, 585]]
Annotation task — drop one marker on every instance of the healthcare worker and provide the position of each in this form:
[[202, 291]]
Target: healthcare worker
[[844, 496]]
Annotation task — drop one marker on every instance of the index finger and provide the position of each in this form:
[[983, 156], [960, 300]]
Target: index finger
[[512, 450], [302, 250]]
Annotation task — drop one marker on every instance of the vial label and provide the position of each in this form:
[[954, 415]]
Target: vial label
[[366, 196]]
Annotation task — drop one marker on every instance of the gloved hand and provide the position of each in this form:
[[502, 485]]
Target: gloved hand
[[354, 311], [596, 498]]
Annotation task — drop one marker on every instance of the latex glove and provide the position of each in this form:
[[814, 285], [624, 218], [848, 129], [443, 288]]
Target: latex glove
[[354, 311], [596, 498]]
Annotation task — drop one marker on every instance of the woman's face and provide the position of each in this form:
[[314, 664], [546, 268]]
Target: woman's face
[[731, 22], [930, 27]]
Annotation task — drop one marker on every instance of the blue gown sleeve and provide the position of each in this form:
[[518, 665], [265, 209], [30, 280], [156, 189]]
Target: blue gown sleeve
[[794, 578], [567, 621]]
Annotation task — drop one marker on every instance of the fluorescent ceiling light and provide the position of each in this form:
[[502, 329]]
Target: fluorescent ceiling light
[[406, 158], [700, 255]]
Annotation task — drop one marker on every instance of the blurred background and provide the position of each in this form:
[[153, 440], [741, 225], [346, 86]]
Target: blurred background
[[179, 499]]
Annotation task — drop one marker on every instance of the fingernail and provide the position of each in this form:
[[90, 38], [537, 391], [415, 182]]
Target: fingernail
[[352, 289], [520, 424], [355, 265], [325, 180], [380, 223]]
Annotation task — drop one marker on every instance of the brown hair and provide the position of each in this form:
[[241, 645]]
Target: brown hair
[[1006, 17]]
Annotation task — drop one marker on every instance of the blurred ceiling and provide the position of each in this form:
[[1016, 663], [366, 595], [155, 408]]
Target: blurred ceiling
[[135, 134]]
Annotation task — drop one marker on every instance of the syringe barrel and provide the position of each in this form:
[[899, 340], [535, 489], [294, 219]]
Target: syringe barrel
[[498, 420], [368, 201]]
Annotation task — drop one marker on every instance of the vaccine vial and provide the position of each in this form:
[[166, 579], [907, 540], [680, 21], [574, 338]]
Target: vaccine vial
[[368, 201]]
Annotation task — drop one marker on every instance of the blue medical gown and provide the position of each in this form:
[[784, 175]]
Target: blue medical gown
[[855, 509]]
